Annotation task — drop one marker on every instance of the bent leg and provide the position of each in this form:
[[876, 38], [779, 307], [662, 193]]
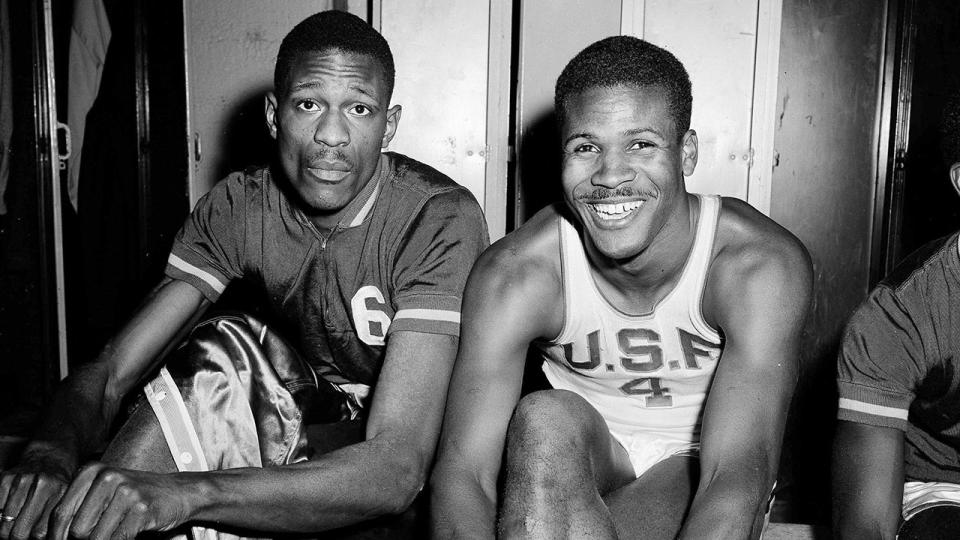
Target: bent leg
[[938, 522], [140, 445], [231, 396], [560, 460], [655, 505]]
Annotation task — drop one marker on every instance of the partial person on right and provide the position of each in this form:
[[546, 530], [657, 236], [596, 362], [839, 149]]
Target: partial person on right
[[896, 456]]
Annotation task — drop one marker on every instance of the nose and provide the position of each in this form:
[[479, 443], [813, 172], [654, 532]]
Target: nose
[[614, 170], [332, 130]]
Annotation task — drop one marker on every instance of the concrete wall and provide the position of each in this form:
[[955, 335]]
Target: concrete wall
[[823, 191]]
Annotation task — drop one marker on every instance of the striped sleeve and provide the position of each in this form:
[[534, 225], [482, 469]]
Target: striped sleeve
[[207, 251], [433, 262], [881, 362]]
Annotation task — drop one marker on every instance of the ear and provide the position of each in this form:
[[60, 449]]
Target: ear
[[690, 150], [393, 120], [955, 176], [270, 111]]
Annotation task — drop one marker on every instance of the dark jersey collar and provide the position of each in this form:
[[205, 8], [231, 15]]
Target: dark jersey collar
[[359, 208]]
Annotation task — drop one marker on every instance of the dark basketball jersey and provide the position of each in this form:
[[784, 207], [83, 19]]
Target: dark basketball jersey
[[899, 365], [398, 260]]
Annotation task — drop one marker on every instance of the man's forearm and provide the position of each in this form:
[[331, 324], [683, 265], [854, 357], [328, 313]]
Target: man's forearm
[[727, 509], [459, 507], [76, 422], [349, 485], [87, 402]]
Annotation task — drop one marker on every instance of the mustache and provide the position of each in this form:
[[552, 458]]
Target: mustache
[[329, 154], [601, 193]]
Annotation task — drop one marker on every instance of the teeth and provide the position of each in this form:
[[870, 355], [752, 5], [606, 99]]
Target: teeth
[[615, 211]]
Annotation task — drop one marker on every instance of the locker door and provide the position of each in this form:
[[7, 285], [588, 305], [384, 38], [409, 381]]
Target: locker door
[[551, 33], [730, 50], [453, 67], [33, 346]]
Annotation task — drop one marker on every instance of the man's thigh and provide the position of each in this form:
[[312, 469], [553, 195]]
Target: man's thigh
[[560, 431], [233, 395], [655, 504], [140, 444]]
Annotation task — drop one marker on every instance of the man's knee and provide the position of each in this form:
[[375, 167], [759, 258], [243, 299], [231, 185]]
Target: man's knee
[[542, 419]]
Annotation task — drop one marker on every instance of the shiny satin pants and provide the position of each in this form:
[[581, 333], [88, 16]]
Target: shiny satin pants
[[233, 395], [236, 395]]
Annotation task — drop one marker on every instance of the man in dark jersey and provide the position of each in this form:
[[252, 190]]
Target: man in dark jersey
[[669, 326], [896, 457], [360, 256]]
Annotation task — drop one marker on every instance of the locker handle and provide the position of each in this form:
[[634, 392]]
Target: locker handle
[[67, 143]]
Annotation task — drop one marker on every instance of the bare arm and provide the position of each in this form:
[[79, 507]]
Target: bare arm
[[867, 481], [761, 301], [87, 401], [379, 476], [86, 404], [503, 312]]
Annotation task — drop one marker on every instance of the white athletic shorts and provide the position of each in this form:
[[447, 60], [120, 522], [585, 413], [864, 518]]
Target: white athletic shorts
[[646, 450], [919, 496]]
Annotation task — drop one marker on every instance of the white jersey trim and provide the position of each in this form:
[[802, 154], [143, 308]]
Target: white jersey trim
[[710, 206], [428, 315], [207, 277], [575, 269], [876, 410], [367, 206], [175, 423]]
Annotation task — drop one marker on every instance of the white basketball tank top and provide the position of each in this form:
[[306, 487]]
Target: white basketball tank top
[[645, 374]]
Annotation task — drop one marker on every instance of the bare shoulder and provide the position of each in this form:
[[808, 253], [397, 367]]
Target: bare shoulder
[[520, 274], [754, 257]]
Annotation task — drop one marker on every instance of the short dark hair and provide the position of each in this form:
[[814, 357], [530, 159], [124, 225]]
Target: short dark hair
[[626, 60], [950, 129], [332, 30]]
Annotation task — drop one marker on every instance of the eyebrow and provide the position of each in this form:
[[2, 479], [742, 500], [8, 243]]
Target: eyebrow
[[628, 133], [315, 84], [364, 91], [583, 135]]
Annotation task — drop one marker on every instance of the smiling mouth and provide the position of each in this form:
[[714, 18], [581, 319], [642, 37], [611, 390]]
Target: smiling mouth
[[614, 211]]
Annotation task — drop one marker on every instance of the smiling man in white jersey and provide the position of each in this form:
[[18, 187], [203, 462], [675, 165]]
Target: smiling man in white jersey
[[668, 323]]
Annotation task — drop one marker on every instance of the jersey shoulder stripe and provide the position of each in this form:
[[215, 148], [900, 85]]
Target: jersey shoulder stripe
[[210, 285], [863, 404], [428, 314], [873, 409]]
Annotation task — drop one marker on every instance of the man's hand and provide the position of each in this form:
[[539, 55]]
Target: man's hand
[[28, 493], [104, 502], [86, 403]]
